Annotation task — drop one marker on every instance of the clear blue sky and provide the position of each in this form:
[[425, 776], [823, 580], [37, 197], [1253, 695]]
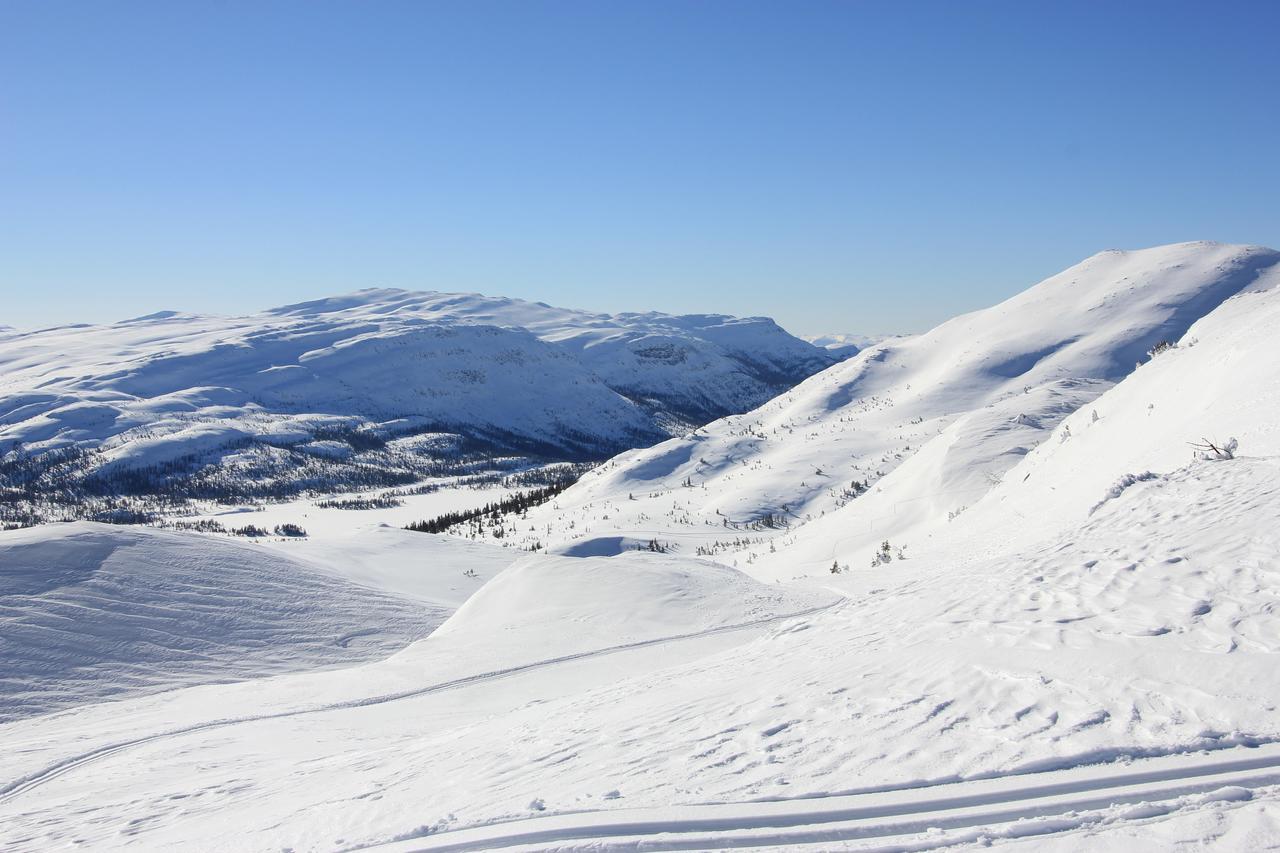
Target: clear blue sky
[[850, 166]]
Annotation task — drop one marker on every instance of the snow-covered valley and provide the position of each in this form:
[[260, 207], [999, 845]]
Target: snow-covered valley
[[1014, 582]]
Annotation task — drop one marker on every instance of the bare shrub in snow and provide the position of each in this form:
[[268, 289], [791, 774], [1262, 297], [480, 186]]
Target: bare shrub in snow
[[1212, 452]]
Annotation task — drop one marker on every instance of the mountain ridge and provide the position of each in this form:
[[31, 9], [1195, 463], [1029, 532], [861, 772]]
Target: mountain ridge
[[977, 393]]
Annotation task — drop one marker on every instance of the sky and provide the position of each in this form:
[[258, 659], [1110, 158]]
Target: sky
[[858, 167]]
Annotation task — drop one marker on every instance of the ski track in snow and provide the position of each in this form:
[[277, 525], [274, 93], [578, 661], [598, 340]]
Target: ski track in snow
[[32, 781], [881, 814]]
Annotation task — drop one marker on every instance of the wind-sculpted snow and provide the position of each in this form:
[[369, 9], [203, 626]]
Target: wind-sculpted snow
[[90, 612], [642, 611], [1147, 632], [630, 597]]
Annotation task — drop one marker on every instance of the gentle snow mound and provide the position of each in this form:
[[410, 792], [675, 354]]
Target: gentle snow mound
[[91, 612], [632, 597]]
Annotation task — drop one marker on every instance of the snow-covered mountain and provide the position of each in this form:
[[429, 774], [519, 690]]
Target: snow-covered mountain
[[315, 385], [909, 431], [679, 368], [843, 345]]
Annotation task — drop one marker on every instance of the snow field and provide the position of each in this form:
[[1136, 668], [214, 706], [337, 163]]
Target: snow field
[[1076, 652]]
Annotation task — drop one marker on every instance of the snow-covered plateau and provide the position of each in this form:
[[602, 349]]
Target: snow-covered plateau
[[1014, 582]]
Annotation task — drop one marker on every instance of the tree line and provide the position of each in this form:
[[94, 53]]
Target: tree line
[[520, 502]]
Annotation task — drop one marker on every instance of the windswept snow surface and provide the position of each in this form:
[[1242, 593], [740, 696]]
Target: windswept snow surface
[[507, 648], [91, 612], [548, 601], [1148, 631], [1089, 802]]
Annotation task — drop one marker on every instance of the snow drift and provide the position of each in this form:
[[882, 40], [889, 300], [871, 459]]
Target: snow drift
[[547, 602], [90, 612]]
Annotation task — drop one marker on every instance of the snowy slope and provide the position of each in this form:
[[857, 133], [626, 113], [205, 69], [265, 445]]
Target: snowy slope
[[90, 612], [1148, 632], [1129, 644], [1220, 382], [506, 649], [548, 601], [955, 408], [440, 571]]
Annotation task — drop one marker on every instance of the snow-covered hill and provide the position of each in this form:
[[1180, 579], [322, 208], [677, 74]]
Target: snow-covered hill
[[91, 612], [297, 393], [1219, 384], [909, 431], [1215, 381], [627, 599]]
